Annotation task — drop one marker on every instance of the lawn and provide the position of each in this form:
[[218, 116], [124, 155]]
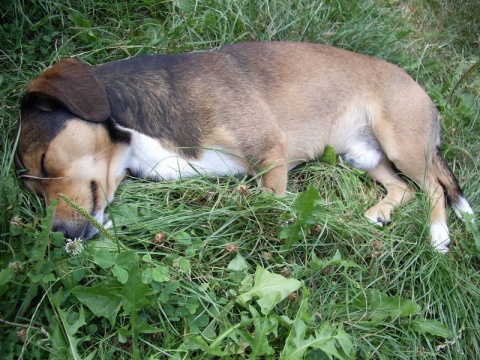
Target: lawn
[[212, 268]]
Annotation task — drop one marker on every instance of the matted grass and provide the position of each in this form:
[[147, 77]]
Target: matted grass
[[189, 270]]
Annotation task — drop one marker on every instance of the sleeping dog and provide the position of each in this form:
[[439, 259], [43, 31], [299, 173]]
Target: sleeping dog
[[256, 108]]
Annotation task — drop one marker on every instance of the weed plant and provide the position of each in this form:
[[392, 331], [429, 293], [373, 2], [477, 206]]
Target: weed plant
[[208, 268]]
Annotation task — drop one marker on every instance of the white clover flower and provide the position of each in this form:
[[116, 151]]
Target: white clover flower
[[74, 246]]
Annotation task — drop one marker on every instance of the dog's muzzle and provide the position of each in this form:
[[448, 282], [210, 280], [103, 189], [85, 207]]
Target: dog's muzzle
[[75, 230]]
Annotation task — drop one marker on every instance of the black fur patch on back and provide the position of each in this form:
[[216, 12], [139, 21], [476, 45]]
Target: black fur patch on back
[[147, 94]]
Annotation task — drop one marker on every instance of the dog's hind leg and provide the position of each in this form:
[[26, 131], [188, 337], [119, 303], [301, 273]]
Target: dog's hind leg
[[398, 191], [427, 179], [452, 189], [435, 177], [440, 182]]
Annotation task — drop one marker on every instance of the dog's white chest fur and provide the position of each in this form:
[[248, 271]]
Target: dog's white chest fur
[[147, 158]]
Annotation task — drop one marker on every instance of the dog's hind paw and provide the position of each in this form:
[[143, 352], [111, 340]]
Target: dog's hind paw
[[463, 210]]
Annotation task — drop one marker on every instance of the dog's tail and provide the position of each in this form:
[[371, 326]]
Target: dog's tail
[[450, 184]]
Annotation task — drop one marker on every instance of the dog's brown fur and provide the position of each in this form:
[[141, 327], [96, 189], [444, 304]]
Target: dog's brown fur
[[267, 106]]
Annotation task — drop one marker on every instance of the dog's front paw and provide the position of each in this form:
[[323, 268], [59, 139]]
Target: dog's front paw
[[440, 237]]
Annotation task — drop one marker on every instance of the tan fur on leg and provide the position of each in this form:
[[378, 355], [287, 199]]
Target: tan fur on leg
[[398, 191]]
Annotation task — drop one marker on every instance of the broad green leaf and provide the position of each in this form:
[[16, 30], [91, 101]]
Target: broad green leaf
[[325, 341], [34, 277], [246, 284], [58, 239], [183, 238], [71, 328], [48, 278], [6, 275], [336, 260], [269, 289], [215, 346], [120, 273], [308, 204], [104, 258], [42, 242], [375, 307], [126, 258], [432, 327], [268, 302], [102, 299], [296, 344], [329, 155], [140, 326], [135, 292], [307, 208], [238, 263], [263, 328], [194, 343], [345, 342], [325, 338], [56, 333]]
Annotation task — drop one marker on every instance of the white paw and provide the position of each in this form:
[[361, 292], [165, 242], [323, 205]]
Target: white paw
[[440, 237], [462, 206]]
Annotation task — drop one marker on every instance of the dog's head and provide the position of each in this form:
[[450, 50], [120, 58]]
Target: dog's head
[[69, 145]]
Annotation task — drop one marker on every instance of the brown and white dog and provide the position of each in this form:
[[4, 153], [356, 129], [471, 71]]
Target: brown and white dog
[[257, 108]]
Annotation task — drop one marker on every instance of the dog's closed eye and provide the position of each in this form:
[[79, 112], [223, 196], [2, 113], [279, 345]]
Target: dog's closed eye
[[24, 171]]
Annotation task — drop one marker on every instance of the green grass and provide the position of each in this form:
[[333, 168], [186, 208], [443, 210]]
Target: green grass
[[180, 274]]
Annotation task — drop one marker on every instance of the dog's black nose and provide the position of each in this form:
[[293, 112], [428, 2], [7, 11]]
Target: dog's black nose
[[74, 230], [70, 232]]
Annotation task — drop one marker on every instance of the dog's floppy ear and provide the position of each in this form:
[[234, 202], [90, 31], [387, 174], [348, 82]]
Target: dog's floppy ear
[[72, 84]]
